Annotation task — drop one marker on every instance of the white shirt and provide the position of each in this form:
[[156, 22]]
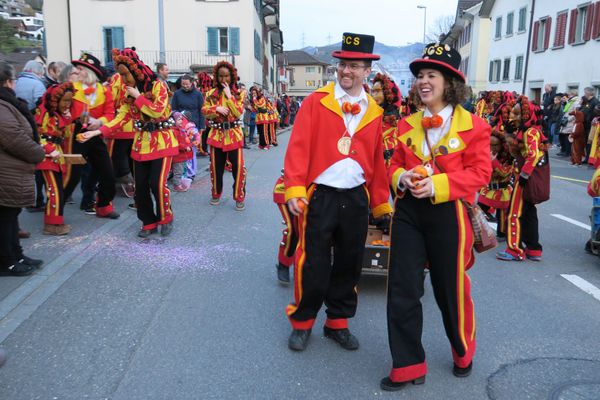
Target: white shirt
[[436, 134], [346, 173]]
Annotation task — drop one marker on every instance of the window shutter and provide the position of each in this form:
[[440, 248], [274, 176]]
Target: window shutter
[[547, 32], [234, 37], [561, 28], [596, 28], [536, 31], [572, 26], [491, 74], [213, 41], [589, 21]]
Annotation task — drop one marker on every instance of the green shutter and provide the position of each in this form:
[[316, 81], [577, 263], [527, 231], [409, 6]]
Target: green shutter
[[213, 41], [234, 37], [257, 46]]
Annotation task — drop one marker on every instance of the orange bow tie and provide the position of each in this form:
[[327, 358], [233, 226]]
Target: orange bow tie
[[435, 121], [89, 90], [349, 108]]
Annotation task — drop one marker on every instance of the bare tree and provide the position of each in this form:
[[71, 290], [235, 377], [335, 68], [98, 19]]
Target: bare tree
[[440, 28]]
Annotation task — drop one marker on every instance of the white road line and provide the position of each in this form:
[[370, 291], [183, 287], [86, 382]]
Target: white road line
[[583, 285], [572, 221]]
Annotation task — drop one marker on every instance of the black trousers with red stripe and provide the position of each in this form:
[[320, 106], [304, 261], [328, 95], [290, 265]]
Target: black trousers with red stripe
[[440, 236], [332, 218], [151, 180], [54, 213], [218, 158], [289, 239], [264, 137], [120, 154]]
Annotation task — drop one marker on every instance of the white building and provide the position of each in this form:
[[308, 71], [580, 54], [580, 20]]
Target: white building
[[565, 48], [194, 33], [508, 43]]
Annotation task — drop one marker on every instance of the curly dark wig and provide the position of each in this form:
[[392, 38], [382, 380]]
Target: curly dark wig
[[54, 94], [232, 72]]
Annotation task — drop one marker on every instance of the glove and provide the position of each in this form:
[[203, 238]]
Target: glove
[[383, 223], [522, 180]]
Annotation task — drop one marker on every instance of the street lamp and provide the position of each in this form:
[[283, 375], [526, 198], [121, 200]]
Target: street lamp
[[424, 8]]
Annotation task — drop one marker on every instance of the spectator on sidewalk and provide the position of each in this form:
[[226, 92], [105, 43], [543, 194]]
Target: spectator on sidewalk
[[567, 121], [19, 153], [552, 115], [588, 104], [162, 71], [30, 85], [53, 73]]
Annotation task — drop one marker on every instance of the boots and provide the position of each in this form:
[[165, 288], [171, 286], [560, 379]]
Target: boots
[[57, 230]]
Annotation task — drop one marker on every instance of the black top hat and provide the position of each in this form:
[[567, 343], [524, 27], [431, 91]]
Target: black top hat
[[89, 61], [440, 57], [356, 47]]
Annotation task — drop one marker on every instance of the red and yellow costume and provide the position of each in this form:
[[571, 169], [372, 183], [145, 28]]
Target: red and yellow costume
[[226, 138], [154, 143], [311, 150], [594, 158], [53, 129], [261, 107], [289, 240], [273, 119], [435, 231]]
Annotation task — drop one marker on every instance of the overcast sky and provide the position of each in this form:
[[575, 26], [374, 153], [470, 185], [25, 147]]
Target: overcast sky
[[393, 22]]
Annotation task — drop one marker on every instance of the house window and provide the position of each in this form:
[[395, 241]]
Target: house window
[[581, 25], [495, 70], [522, 19], [561, 29], [311, 84], [519, 68], [223, 40], [509, 23], [491, 72], [466, 66], [257, 47], [541, 34], [506, 73], [498, 28], [310, 70], [113, 39]]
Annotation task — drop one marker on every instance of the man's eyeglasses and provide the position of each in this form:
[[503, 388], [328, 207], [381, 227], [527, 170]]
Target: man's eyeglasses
[[351, 66]]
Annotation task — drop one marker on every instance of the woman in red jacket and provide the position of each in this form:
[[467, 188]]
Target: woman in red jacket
[[430, 225]]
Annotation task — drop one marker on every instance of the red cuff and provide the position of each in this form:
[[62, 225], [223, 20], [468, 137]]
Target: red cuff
[[104, 211], [409, 373], [105, 131], [341, 323], [141, 101], [302, 325], [49, 148]]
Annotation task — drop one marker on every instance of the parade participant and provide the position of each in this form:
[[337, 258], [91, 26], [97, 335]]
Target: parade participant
[[481, 105], [387, 95], [496, 195], [522, 123], [120, 142], [95, 107], [259, 105], [594, 135], [334, 171], [577, 138], [54, 120], [147, 104], [273, 121], [204, 85], [223, 107], [431, 225], [289, 240]]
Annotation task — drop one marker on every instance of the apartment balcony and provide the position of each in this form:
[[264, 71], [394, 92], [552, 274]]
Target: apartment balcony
[[178, 61]]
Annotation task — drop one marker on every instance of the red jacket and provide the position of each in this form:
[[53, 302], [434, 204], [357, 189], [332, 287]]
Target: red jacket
[[463, 153], [313, 147]]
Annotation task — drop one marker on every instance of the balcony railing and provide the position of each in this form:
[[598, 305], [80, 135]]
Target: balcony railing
[[178, 61]]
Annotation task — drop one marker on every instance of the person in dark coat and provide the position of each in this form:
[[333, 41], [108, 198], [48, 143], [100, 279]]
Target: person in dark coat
[[20, 151]]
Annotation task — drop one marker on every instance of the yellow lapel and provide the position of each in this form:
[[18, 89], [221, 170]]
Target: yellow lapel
[[373, 112], [329, 101], [413, 139], [80, 96]]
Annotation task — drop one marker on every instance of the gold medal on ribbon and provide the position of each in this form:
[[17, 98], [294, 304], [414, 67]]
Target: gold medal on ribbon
[[343, 145]]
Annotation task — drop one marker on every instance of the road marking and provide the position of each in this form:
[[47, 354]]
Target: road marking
[[564, 178], [572, 221], [583, 285]]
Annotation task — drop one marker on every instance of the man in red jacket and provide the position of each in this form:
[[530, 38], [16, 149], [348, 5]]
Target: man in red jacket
[[334, 173]]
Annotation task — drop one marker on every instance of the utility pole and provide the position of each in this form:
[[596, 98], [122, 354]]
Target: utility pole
[[424, 8], [529, 38], [303, 40], [161, 31]]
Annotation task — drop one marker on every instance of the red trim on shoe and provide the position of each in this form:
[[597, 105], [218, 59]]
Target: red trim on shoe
[[514, 253], [533, 253], [409, 373], [104, 211], [341, 323], [54, 219], [150, 226], [302, 325]]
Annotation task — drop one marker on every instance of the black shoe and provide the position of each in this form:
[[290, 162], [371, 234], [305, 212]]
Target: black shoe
[[18, 269], [298, 339], [31, 261], [166, 229], [343, 336], [462, 372], [283, 273], [69, 200], [391, 386], [89, 210], [132, 206], [144, 233]]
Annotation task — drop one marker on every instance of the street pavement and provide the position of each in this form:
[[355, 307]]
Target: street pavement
[[200, 315]]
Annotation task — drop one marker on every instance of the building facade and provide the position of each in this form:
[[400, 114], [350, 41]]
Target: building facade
[[565, 48], [187, 35], [303, 73]]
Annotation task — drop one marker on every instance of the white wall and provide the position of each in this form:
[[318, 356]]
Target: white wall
[[578, 64], [509, 46], [57, 30]]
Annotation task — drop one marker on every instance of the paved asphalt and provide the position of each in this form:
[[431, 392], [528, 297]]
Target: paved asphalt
[[199, 315]]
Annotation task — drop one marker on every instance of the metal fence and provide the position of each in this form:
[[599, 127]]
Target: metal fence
[[178, 61]]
